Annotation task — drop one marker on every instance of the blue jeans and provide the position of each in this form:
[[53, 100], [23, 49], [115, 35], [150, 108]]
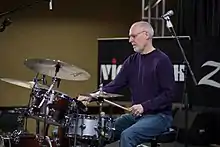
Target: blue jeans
[[133, 131]]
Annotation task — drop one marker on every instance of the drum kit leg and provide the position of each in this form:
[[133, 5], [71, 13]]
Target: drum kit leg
[[52, 107]]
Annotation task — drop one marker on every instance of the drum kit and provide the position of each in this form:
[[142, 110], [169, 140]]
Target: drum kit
[[51, 107]]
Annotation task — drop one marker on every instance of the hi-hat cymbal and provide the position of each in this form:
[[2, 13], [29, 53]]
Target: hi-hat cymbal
[[25, 84], [102, 94], [48, 67]]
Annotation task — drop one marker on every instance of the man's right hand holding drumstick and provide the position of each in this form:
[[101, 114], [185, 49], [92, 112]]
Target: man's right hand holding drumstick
[[87, 99]]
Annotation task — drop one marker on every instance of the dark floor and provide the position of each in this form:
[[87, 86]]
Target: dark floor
[[175, 144]]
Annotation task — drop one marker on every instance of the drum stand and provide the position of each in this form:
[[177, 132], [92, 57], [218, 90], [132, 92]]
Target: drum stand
[[76, 123], [101, 123], [16, 134], [77, 106], [29, 110]]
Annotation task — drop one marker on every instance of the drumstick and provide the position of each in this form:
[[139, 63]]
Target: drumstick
[[107, 101]]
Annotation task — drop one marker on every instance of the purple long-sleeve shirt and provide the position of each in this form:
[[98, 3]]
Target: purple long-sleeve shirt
[[150, 78]]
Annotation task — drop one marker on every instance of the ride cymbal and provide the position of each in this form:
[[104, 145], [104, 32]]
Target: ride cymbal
[[50, 67]]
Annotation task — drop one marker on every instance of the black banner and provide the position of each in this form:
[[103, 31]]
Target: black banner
[[112, 53], [207, 70]]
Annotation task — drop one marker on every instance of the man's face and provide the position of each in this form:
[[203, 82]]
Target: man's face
[[138, 38]]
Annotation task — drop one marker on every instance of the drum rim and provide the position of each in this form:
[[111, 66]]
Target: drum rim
[[87, 116], [56, 93]]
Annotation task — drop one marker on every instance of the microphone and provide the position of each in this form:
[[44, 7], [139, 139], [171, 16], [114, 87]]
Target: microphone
[[4, 24], [169, 13], [51, 5], [167, 19]]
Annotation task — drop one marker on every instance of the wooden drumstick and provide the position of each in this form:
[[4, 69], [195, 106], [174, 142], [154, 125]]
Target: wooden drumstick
[[117, 105]]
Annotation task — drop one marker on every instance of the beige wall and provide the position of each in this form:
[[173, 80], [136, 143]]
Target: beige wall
[[69, 32]]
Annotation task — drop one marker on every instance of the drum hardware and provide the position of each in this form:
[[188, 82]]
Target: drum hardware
[[76, 122], [15, 136], [5, 141], [56, 141], [101, 128], [20, 117], [29, 85], [74, 116], [57, 70], [44, 141], [55, 137], [98, 129], [58, 80], [49, 141], [36, 84], [31, 95], [12, 122], [45, 99]]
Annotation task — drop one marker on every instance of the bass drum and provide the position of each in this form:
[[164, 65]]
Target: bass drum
[[31, 140], [26, 140]]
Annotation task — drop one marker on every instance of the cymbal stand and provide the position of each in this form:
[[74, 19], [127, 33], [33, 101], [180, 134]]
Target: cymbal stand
[[36, 80], [76, 124], [45, 101], [29, 102], [101, 122]]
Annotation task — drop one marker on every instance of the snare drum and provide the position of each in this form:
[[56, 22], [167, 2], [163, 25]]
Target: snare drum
[[87, 127]]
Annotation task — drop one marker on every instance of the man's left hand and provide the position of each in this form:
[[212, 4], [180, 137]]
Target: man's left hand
[[137, 110]]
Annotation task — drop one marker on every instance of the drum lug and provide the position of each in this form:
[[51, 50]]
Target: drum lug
[[15, 136], [96, 127], [83, 126], [66, 117], [57, 142], [53, 110], [113, 129]]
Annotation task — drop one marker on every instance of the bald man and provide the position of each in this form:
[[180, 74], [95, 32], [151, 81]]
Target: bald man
[[149, 74]]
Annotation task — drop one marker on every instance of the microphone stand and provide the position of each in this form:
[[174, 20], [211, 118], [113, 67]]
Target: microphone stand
[[186, 69], [7, 21]]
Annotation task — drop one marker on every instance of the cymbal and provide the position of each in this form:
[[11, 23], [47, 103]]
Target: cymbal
[[25, 84], [102, 94], [48, 67]]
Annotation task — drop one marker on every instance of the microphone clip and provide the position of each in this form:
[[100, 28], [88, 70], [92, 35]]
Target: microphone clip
[[166, 17], [168, 22]]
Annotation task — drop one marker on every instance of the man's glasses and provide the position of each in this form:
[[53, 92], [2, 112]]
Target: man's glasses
[[134, 36]]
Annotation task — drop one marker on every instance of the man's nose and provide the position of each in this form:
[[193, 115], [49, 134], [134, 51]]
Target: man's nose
[[130, 39]]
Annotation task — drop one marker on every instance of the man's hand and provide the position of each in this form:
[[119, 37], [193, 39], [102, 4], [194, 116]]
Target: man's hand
[[84, 99], [137, 110]]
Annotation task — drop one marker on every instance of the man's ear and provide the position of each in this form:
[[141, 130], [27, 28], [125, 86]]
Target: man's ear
[[147, 35]]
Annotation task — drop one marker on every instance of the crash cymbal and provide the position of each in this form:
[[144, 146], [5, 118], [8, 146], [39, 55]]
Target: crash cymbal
[[25, 84], [48, 67], [102, 94]]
